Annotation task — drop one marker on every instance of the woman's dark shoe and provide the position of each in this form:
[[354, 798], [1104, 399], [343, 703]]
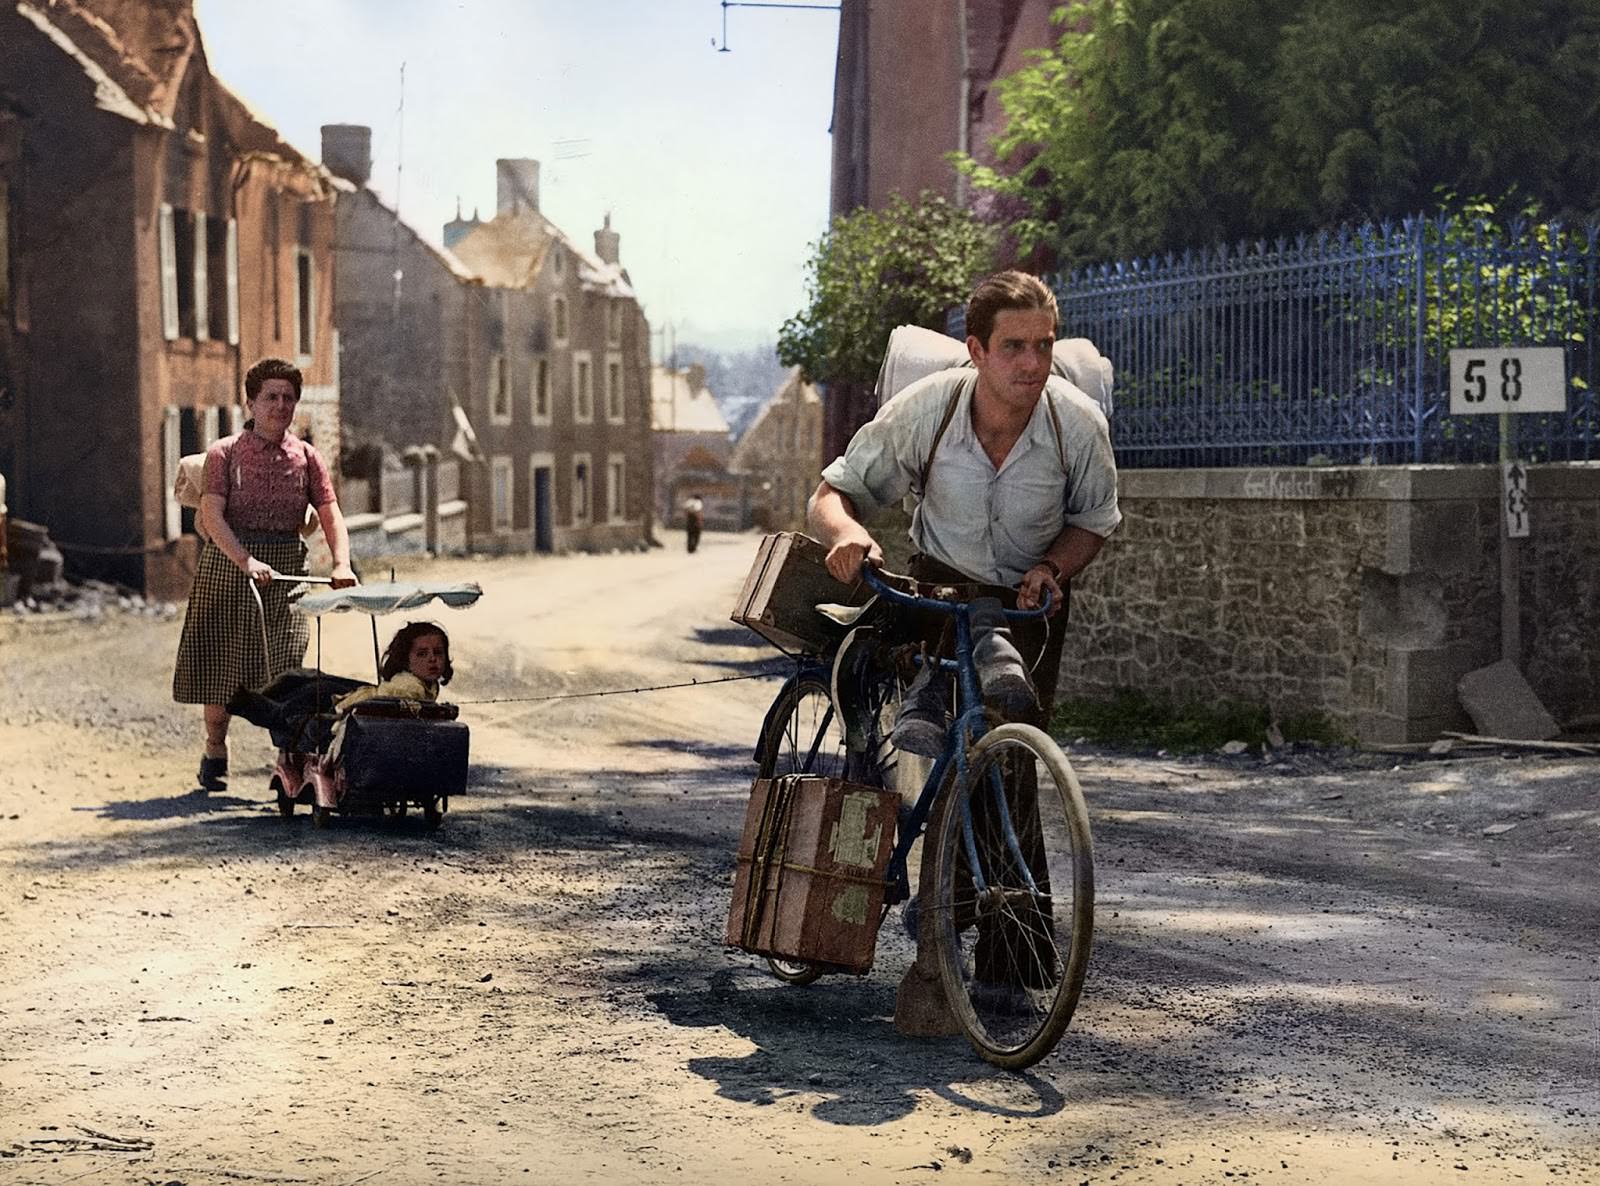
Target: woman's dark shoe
[[213, 774]]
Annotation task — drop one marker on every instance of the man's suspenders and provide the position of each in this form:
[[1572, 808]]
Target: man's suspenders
[[950, 414]]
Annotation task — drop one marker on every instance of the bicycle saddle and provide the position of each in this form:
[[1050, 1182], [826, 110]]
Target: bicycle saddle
[[845, 615]]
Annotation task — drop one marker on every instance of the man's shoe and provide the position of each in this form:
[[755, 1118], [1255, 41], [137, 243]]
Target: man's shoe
[[213, 774], [1003, 676], [920, 1008], [920, 724]]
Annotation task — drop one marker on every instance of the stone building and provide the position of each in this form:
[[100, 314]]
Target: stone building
[[156, 238], [781, 452], [693, 446], [555, 382], [401, 307]]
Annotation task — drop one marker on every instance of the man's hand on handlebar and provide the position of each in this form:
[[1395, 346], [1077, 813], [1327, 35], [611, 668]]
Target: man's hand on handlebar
[[849, 551], [1035, 582]]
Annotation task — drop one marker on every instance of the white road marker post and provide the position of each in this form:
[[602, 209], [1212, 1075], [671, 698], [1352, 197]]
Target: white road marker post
[[1507, 382]]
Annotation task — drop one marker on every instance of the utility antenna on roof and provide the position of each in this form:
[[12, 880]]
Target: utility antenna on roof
[[727, 4], [399, 169]]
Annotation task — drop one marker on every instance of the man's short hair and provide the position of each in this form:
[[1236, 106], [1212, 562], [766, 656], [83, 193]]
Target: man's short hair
[[1003, 291], [272, 368]]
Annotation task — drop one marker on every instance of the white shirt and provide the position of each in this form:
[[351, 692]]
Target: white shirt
[[991, 523]]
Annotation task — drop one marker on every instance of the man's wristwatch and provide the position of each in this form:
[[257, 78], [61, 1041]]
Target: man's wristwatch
[[1055, 569]]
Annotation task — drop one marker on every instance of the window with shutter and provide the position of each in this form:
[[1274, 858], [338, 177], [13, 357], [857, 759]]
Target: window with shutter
[[170, 451]]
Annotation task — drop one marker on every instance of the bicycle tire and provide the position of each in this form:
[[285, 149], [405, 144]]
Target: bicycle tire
[[1014, 987], [800, 719]]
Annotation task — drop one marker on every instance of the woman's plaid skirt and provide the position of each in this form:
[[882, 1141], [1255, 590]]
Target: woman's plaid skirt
[[219, 652]]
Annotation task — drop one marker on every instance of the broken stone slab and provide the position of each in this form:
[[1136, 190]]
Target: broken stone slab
[[1502, 704]]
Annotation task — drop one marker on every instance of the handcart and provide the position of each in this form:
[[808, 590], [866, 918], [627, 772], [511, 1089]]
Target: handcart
[[384, 755]]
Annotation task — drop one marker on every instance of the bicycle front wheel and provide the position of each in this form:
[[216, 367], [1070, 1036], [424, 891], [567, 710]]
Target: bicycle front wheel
[[1014, 895]]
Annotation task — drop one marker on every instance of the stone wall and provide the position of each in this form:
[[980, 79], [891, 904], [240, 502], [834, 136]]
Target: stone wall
[[1362, 594]]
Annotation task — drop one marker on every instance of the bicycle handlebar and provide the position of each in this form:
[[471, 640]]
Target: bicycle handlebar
[[877, 584]]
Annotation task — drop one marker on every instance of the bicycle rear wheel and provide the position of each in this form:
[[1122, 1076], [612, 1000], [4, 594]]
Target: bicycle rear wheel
[[805, 735], [1013, 942]]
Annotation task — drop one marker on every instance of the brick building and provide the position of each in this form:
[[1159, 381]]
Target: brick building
[[556, 381], [157, 238], [914, 82]]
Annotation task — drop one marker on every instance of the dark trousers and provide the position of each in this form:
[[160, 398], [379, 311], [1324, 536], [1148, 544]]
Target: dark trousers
[[1011, 951]]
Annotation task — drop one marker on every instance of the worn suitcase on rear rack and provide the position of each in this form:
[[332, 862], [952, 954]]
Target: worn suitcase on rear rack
[[787, 582], [809, 884]]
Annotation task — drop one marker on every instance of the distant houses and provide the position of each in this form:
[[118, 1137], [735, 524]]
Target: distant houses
[[763, 480], [515, 354], [157, 237]]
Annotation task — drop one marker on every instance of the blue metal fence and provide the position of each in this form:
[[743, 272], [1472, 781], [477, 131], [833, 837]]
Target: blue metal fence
[[1335, 347]]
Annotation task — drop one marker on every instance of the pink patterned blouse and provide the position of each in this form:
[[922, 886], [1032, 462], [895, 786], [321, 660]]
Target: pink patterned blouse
[[267, 485]]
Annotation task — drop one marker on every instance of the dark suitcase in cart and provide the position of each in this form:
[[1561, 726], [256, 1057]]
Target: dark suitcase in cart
[[401, 755], [809, 884]]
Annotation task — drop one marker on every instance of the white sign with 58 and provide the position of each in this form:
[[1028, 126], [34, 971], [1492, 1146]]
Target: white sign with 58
[[1526, 379]]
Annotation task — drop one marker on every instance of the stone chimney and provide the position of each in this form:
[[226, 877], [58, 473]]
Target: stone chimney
[[607, 243], [347, 151], [516, 186]]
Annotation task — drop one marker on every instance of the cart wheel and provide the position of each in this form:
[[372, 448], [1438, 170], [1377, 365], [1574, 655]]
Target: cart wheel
[[431, 815], [793, 971], [320, 815], [285, 804]]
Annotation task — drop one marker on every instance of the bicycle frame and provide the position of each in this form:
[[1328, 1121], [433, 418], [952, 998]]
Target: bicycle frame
[[968, 726]]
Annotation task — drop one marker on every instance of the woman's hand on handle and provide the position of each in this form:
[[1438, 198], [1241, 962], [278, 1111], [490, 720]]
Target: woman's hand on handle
[[344, 576], [258, 571]]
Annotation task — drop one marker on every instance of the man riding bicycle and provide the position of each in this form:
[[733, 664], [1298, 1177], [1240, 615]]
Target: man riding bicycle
[[1015, 494]]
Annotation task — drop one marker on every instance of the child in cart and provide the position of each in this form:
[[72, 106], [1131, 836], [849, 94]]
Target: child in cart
[[415, 665]]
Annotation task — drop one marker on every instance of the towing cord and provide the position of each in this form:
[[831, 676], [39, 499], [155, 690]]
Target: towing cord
[[694, 683]]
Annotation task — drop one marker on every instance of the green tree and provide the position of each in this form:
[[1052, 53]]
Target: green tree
[[905, 264], [1160, 124]]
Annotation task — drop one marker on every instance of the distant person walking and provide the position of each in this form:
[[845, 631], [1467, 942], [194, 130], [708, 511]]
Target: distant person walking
[[694, 520]]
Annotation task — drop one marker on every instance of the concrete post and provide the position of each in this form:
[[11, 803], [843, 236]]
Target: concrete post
[[430, 503]]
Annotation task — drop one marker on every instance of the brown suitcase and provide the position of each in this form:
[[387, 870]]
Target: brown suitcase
[[787, 582], [809, 884]]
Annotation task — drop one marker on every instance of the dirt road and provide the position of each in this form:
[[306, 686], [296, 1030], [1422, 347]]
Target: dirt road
[[1324, 972]]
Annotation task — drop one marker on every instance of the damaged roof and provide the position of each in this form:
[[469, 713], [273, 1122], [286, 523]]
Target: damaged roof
[[443, 254], [138, 54], [677, 405], [509, 251]]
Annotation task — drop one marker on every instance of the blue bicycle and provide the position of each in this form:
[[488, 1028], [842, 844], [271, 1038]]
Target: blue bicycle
[[1011, 908]]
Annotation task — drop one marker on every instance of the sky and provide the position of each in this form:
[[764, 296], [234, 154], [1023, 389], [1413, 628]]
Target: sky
[[714, 166]]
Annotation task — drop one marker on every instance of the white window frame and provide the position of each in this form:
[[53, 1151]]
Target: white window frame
[[560, 320], [202, 295], [499, 390], [167, 240], [541, 362], [619, 415], [582, 364], [582, 508], [616, 487], [233, 281], [500, 464], [172, 513], [302, 354]]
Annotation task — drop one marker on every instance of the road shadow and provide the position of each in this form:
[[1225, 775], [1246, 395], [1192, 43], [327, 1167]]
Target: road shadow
[[193, 804], [869, 1074]]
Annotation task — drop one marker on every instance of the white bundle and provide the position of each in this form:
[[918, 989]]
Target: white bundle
[[914, 353]]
